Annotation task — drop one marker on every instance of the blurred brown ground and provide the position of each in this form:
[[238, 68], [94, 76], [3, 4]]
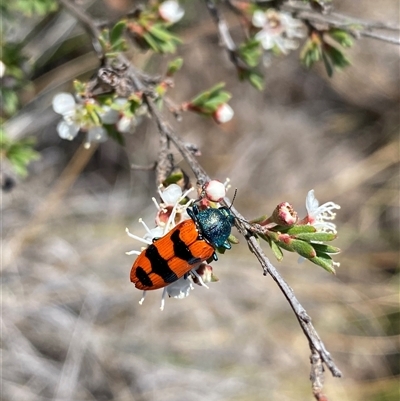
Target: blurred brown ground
[[71, 325]]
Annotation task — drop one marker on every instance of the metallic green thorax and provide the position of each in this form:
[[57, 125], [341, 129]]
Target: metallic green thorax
[[214, 225]]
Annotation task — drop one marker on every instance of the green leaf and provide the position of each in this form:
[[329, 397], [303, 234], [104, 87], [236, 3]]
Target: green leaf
[[303, 248], [151, 42], [276, 250], [337, 57], [250, 52], [325, 261], [10, 101], [325, 249], [117, 32], [300, 229], [232, 239], [173, 178], [342, 37], [200, 99], [114, 134], [317, 236], [174, 66], [257, 80], [259, 219], [327, 64]]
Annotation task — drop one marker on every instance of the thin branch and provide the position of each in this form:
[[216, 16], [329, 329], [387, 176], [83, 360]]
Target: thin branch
[[318, 350], [226, 37], [316, 344], [88, 25], [355, 26]]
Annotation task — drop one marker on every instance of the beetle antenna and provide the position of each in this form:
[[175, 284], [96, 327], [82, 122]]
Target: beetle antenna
[[233, 199]]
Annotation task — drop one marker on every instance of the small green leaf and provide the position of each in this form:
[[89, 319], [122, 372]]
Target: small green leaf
[[325, 261], [174, 66], [276, 250], [259, 219], [325, 249], [301, 229], [342, 37], [173, 178], [151, 42], [250, 52], [203, 96], [303, 248], [256, 79], [327, 64], [232, 239], [117, 32], [317, 236], [337, 57], [114, 134]]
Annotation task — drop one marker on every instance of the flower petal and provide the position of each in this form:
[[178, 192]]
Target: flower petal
[[67, 130], [259, 19], [64, 104]]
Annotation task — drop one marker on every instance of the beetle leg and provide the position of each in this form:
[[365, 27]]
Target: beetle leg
[[163, 298], [143, 297], [194, 261], [227, 245]]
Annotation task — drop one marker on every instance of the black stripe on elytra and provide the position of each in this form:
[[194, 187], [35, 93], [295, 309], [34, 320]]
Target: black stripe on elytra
[[159, 265], [143, 277], [181, 250]]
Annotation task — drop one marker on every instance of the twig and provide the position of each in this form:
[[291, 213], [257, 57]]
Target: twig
[[318, 350], [344, 22], [315, 342], [226, 37], [88, 25]]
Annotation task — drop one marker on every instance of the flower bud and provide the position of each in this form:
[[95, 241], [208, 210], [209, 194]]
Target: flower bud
[[223, 114], [205, 271], [214, 191], [284, 215], [170, 11]]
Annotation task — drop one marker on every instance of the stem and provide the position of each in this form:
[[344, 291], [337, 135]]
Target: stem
[[318, 350]]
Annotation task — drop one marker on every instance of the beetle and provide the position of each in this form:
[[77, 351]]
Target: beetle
[[188, 244]]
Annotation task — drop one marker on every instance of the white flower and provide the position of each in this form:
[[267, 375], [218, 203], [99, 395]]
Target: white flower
[[317, 215], [215, 190], [223, 114], [95, 134], [109, 115], [277, 29], [67, 130], [127, 125], [75, 119], [2, 69], [180, 288], [171, 194], [64, 104], [171, 11]]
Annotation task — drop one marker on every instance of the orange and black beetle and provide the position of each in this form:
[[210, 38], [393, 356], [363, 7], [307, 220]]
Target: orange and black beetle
[[184, 247]]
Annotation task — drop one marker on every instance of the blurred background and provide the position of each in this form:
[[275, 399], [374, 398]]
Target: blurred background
[[72, 328]]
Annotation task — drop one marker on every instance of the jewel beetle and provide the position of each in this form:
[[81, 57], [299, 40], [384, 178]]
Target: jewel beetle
[[184, 247]]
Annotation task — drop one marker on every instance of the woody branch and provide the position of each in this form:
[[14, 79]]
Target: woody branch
[[319, 354]]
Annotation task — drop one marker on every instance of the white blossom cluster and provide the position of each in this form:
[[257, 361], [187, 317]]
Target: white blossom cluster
[[76, 116], [171, 212], [277, 30]]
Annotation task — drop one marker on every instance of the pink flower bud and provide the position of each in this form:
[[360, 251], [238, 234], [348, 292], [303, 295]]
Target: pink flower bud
[[223, 114], [215, 191], [205, 271], [284, 215]]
